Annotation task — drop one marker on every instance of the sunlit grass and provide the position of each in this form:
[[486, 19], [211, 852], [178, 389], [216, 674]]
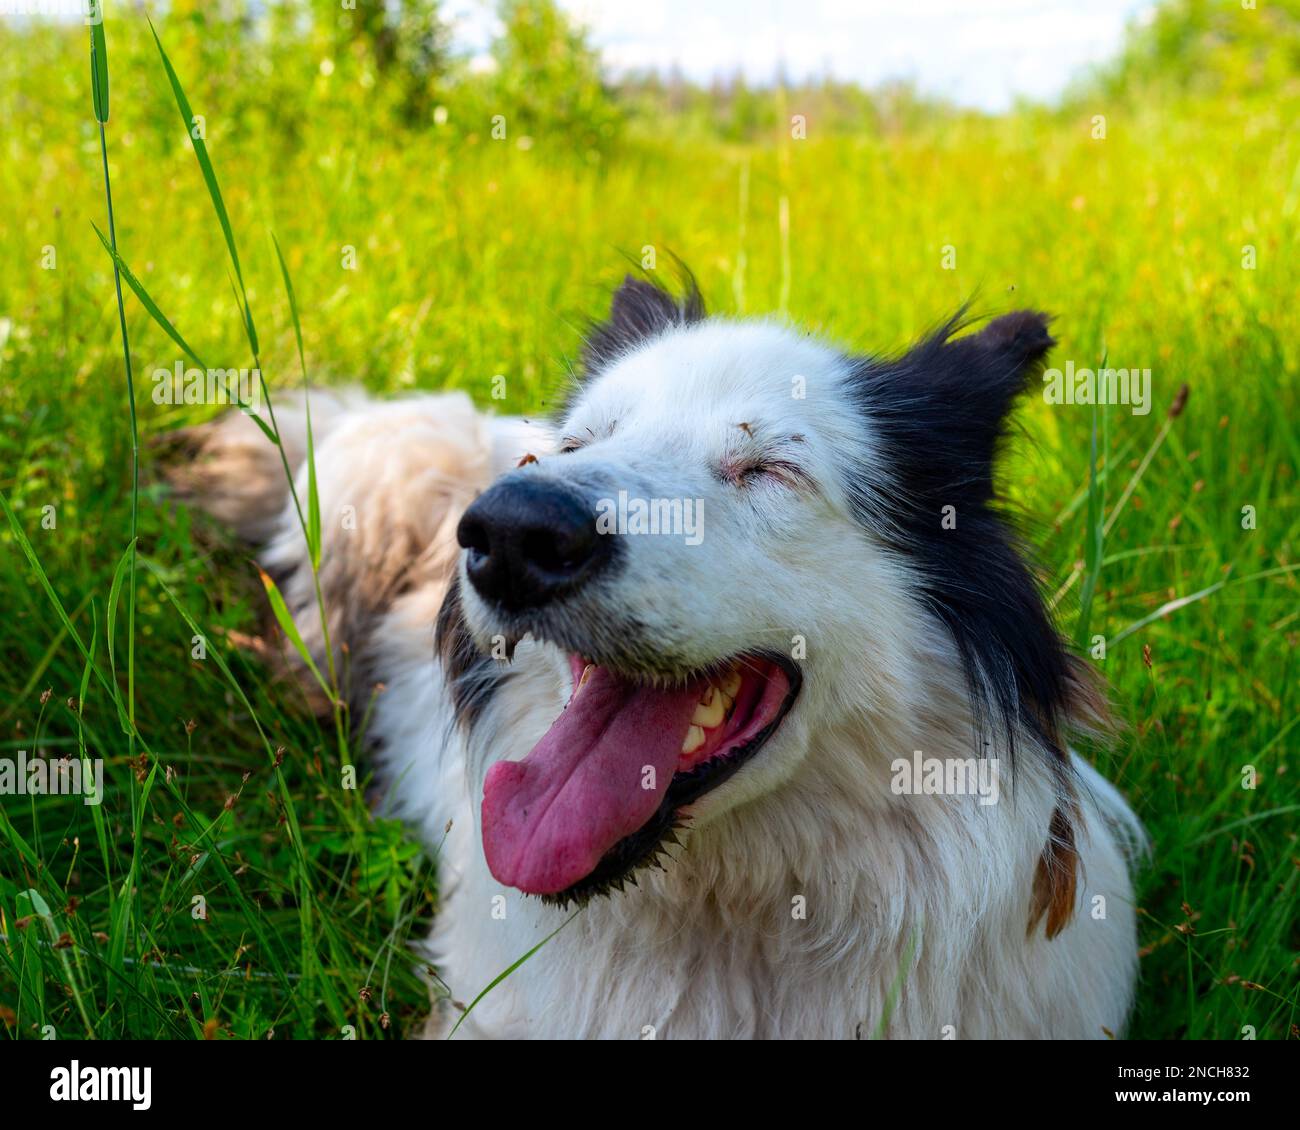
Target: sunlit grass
[[475, 258]]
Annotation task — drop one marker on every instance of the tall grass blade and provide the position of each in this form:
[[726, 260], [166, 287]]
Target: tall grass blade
[[146, 300], [509, 970], [99, 75], [285, 619], [98, 61], [1094, 535], [209, 178], [114, 592], [313, 495]]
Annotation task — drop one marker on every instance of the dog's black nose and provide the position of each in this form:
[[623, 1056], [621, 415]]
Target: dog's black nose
[[529, 542]]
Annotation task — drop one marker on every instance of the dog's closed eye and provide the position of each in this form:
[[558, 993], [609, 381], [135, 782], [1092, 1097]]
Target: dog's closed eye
[[750, 470]]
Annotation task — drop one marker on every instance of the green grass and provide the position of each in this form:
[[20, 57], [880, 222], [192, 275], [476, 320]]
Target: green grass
[[477, 258]]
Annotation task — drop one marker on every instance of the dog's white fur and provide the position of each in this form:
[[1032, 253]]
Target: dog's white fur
[[807, 898]]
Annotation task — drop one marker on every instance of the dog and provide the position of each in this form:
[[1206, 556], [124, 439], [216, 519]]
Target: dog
[[694, 691]]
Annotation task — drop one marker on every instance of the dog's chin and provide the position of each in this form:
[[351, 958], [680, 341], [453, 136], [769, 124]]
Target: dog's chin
[[625, 765]]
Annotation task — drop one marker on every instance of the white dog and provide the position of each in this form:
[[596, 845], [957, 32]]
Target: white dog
[[742, 699]]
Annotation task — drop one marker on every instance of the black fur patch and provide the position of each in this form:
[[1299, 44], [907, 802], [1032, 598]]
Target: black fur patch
[[641, 309], [941, 410], [472, 677]]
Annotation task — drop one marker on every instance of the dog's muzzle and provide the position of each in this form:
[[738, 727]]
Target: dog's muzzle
[[530, 541]]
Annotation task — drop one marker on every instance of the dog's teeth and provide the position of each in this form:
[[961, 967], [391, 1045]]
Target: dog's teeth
[[711, 711], [731, 684], [586, 674], [694, 739]]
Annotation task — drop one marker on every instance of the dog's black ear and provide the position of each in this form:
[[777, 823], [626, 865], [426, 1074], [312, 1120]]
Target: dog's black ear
[[1006, 352], [999, 362], [941, 407], [640, 310], [935, 416]]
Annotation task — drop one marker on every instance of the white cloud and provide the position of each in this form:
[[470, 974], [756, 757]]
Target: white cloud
[[977, 52]]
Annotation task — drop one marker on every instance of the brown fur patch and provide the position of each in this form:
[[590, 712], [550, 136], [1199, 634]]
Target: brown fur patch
[[230, 470], [1056, 877]]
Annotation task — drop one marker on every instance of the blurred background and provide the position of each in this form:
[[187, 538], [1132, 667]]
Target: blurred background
[[456, 186], [459, 148]]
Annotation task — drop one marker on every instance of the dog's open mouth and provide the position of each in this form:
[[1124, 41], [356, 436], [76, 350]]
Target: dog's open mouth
[[601, 792]]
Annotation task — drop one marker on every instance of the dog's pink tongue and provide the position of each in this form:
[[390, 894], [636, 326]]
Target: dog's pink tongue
[[549, 818]]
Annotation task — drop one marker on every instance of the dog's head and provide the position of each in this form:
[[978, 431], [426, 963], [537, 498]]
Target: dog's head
[[739, 538]]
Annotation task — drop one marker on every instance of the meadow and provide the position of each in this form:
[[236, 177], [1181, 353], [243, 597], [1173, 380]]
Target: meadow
[[436, 255]]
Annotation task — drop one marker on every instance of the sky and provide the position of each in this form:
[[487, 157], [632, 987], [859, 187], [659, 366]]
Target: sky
[[981, 53]]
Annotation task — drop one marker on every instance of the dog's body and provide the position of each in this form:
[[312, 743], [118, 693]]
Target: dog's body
[[807, 896]]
